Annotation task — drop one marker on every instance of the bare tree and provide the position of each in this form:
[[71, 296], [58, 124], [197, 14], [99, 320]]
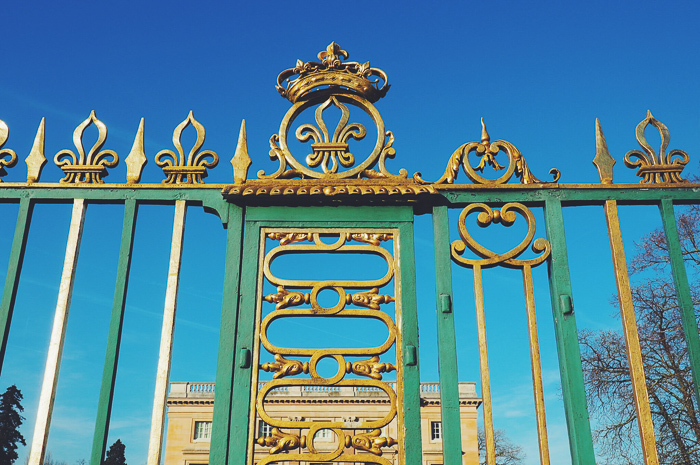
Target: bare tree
[[665, 355], [507, 453]]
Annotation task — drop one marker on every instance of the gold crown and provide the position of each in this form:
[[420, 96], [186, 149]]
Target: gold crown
[[333, 73]]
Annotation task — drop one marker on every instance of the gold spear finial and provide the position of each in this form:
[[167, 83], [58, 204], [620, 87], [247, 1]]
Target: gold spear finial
[[136, 159], [485, 138], [36, 158], [603, 160], [241, 160]]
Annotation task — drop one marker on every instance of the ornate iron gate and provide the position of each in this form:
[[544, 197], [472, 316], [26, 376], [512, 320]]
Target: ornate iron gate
[[334, 202]]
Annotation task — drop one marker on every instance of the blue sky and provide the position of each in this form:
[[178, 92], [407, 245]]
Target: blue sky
[[539, 73]]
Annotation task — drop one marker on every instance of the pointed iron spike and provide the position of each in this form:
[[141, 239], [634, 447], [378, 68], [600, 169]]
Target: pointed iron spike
[[241, 160], [603, 161], [649, 115], [36, 158], [136, 159], [485, 138]]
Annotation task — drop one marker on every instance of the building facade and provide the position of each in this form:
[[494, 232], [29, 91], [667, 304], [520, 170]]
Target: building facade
[[190, 408]]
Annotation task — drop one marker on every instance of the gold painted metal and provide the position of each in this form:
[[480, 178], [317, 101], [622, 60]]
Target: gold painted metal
[[653, 167], [371, 367], [486, 258], [90, 168], [36, 158], [487, 151], [8, 158], [289, 370], [193, 168], [603, 161], [241, 160], [629, 326], [136, 160], [331, 71]]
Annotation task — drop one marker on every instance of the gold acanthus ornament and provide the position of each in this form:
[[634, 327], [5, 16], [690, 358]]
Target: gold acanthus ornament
[[370, 299], [283, 367], [371, 368], [179, 169], [652, 167], [371, 442], [487, 152], [282, 442], [285, 298], [8, 158], [369, 238], [288, 238], [90, 167]]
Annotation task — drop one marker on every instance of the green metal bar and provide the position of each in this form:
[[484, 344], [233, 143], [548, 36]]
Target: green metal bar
[[573, 388], [109, 375], [14, 269], [245, 336], [685, 300], [301, 215], [447, 345], [408, 326], [218, 452]]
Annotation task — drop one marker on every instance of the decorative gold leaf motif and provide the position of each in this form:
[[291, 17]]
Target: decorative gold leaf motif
[[288, 238], [369, 238], [36, 159], [371, 442], [90, 168], [285, 298], [487, 151], [241, 160], [136, 160], [652, 167], [370, 299], [190, 170], [283, 367], [282, 442], [603, 161], [371, 367], [8, 158]]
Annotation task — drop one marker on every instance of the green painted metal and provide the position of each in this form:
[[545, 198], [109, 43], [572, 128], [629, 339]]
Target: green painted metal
[[321, 216], [218, 452], [109, 375], [447, 345], [14, 269], [685, 299], [408, 326], [573, 389]]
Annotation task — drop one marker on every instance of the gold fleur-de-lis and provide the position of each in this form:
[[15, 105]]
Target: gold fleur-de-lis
[[653, 167], [90, 168], [192, 169], [332, 55], [8, 158]]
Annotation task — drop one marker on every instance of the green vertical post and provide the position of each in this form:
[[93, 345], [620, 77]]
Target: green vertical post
[[408, 326], [685, 299], [109, 374], [14, 269], [573, 388], [218, 452], [447, 345], [245, 336]]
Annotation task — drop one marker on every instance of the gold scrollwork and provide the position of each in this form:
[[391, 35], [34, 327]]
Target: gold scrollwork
[[90, 168], [652, 167], [506, 216], [193, 168], [8, 158], [283, 367], [288, 238], [369, 238], [487, 152], [371, 441], [285, 298], [370, 299], [371, 367], [282, 442]]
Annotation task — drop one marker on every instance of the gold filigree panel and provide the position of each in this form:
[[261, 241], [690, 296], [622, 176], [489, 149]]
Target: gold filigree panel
[[297, 370]]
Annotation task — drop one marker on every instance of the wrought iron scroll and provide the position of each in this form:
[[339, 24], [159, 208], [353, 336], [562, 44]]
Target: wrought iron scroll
[[300, 298], [486, 258]]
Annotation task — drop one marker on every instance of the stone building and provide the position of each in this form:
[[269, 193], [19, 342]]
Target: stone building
[[190, 408]]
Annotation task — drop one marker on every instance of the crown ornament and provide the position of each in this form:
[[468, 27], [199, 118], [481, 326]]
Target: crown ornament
[[332, 72]]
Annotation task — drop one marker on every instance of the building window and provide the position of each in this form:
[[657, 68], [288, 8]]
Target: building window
[[202, 430], [436, 430], [264, 429], [324, 435]]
